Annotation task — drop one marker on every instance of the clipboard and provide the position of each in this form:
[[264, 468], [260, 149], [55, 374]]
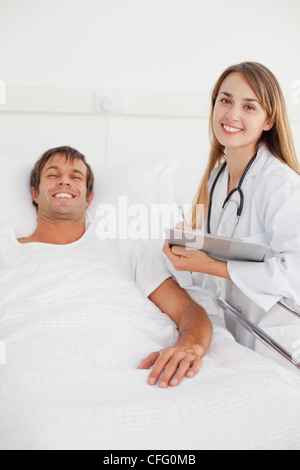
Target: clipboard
[[221, 248]]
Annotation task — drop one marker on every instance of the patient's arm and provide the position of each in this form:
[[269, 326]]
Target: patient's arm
[[195, 331]]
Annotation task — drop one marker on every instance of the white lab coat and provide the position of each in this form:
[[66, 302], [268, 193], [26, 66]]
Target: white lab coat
[[271, 215]]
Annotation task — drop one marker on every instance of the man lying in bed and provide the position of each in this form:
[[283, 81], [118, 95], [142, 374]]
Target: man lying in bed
[[61, 189]]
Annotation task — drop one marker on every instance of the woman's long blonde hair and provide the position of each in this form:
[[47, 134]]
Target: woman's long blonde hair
[[278, 139]]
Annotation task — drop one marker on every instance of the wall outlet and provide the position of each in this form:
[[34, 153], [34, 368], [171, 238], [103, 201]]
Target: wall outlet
[[110, 101]]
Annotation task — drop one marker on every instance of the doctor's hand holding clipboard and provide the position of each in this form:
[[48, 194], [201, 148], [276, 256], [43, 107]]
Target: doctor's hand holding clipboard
[[193, 260], [251, 191]]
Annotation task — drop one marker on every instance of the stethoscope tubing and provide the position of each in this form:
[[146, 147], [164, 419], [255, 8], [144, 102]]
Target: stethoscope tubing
[[237, 189]]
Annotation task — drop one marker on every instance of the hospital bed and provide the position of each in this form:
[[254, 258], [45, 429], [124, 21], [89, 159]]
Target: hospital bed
[[70, 380], [259, 333]]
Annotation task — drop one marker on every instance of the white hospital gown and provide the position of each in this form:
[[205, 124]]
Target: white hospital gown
[[72, 286]]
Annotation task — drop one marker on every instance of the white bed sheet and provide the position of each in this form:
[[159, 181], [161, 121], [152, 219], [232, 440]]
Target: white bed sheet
[[71, 379], [66, 397]]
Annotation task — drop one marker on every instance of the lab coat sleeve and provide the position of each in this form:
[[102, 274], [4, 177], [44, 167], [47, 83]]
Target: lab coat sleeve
[[268, 282]]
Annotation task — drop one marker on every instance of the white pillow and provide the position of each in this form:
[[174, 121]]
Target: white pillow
[[148, 182], [15, 198]]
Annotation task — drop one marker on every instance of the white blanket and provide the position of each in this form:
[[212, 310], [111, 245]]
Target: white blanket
[[76, 328]]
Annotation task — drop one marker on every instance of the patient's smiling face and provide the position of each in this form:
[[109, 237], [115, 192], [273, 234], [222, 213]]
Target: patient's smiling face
[[62, 190]]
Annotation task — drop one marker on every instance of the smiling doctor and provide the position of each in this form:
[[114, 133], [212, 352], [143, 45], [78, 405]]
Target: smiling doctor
[[251, 191]]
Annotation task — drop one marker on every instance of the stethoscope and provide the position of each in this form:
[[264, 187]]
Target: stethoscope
[[237, 189]]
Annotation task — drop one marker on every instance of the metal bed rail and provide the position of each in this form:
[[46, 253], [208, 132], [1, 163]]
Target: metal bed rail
[[289, 309], [261, 335]]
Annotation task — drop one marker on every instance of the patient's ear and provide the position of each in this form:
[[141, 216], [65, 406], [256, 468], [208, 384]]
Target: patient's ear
[[89, 199], [34, 194]]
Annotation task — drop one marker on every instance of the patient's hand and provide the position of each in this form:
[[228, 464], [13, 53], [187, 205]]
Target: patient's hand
[[172, 364]]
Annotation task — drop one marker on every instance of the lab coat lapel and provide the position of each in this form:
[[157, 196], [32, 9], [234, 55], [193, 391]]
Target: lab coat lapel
[[229, 217]]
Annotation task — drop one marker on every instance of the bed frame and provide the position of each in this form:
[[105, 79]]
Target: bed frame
[[258, 332]]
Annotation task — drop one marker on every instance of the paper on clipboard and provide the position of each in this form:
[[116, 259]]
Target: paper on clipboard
[[222, 248]]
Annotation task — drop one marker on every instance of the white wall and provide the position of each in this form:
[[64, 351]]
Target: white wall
[[178, 46]]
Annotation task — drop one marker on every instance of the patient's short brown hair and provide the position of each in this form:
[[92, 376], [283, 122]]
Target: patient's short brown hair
[[70, 154]]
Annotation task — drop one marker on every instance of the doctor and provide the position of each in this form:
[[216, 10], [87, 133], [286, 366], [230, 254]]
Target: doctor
[[251, 190]]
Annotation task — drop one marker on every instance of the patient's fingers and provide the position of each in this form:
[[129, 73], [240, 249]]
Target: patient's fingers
[[182, 371], [160, 364], [189, 364], [168, 373], [149, 361], [171, 366]]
